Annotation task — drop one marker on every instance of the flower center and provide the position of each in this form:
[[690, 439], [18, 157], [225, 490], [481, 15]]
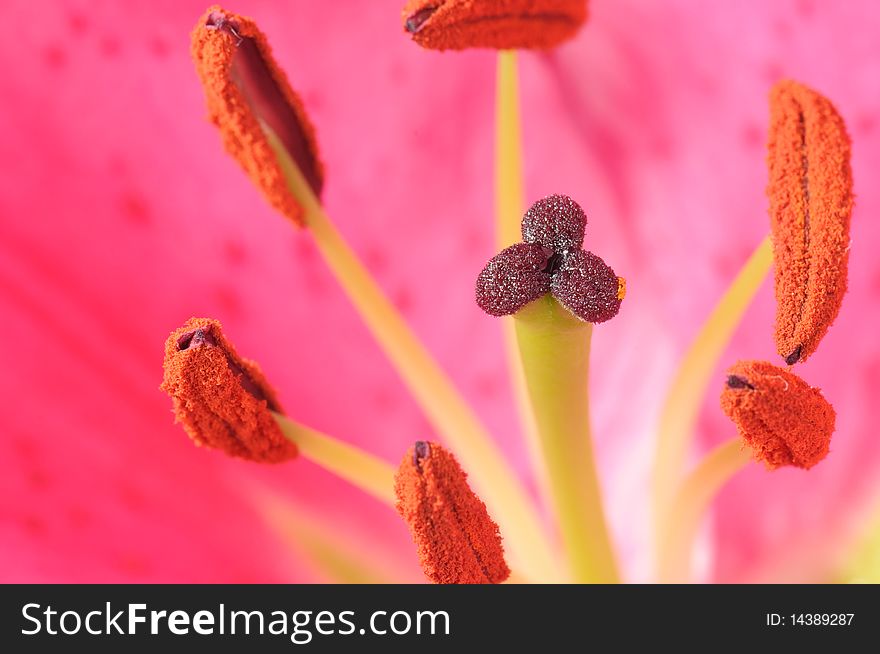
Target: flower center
[[554, 261]]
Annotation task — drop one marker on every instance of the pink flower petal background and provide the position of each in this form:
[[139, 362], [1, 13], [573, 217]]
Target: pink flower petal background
[[120, 217]]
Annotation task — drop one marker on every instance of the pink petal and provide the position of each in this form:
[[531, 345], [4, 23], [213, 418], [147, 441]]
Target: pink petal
[[120, 217]]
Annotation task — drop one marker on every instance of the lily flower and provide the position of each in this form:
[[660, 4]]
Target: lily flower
[[120, 218]]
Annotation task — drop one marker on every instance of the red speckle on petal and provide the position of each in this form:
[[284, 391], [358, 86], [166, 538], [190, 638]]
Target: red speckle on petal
[[806, 8], [110, 47], [26, 449], [488, 385], [385, 400], [38, 479], [375, 259], [403, 299], [78, 24], [55, 56], [117, 165], [35, 526], [133, 564], [865, 124], [78, 517], [782, 28], [303, 249], [234, 253], [752, 137], [773, 72], [475, 240], [875, 284], [229, 300], [131, 498], [135, 208], [159, 47]]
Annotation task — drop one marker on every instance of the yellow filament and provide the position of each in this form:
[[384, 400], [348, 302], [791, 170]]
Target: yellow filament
[[509, 196], [359, 468], [332, 555], [689, 504], [362, 470], [677, 420]]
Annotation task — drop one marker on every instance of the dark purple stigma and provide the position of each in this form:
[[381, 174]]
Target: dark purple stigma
[[795, 356], [556, 222], [554, 261]]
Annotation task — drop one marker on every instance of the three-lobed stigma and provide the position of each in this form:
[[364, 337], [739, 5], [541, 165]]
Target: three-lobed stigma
[[550, 260]]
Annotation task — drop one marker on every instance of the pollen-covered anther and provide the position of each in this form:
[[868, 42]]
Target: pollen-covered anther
[[780, 417], [811, 199], [457, 541], [621, 288], [498, 24], [245, 89], [221, 399]]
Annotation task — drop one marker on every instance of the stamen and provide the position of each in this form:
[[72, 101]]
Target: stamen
[[781, 420], [222, 400], [244, 87], [291, 188], [225, 402], [679, 414], [689, 505], [779, 416], [789, 187], [457, 541], [810, 191], [499, 24]]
